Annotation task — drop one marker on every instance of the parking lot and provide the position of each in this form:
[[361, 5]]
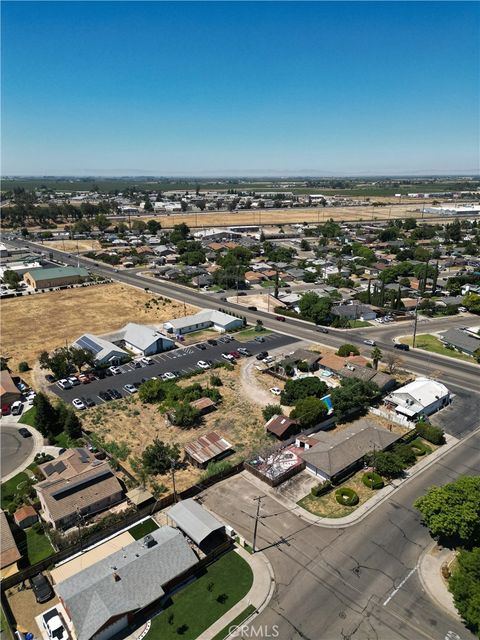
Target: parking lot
[[179, 361]]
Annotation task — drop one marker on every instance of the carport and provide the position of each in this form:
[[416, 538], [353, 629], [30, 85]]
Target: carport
[[198, 524]]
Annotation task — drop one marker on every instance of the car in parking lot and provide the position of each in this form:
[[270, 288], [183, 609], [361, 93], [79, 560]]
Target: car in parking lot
[[130, 388], [105, 396], [64, 384], [146, 360], [402, 347], [41, 588], [212, 342], [30, 397], [203, 365], [78, 404], [136, 364], [74, 381], [259, 339], [25, 433], [372, 343], [88, 402], [201, 346], [114, 371], [268, 359], [236, 354], [84, 379], [228, 356], [244, 351], [168, 375], [116, 395], [49, 377], [276, 391], [262, 355]]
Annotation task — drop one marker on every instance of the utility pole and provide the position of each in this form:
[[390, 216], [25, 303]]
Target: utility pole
[[415, 324], [257, 515], [172, 469]]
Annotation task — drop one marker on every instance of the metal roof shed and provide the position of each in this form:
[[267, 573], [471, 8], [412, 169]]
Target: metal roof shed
[[197, 523]]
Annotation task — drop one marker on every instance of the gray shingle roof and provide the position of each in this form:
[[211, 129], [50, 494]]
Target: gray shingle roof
[[194, 520], [461, 340], [125, 581]]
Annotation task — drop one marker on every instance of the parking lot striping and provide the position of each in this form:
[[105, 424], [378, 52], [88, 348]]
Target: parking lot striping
[[397, 589]]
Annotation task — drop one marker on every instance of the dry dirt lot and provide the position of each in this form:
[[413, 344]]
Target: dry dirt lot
[[137, 424], [24, 608], [263, 300], [72, 246], [42, 322]]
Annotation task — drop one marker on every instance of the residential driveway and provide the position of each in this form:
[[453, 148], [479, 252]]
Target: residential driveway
[[297, 487]]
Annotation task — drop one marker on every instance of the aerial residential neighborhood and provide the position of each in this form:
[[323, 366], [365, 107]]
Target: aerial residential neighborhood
[[240, 321]]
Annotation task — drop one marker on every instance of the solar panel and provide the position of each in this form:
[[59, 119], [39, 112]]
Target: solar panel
[[87, 343]]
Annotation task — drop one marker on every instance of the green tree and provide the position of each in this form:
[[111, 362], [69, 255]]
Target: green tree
[[314, 308], [452, 512], [81, 357], [148, 205], [158, 456], [153, 227], [23, 366], [376, 356], [184, 415], [305, 245], [405, 453], [58, 362], [309, 412], [386, 463], [102, 222], [11, 278], [45, 416], [352, 395], [271, 410], [295, 390], [347, 349], [154, 390], [139, 226], [72, 425], [464, 584], [472, 302]]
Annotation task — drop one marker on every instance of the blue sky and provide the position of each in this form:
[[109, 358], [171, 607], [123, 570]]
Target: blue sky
[[227, 88]]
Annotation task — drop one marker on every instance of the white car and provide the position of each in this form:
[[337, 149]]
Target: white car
[[54, 625], [130, 388], [203, 365], [228, 356], [30, 397], [73, 381], [276, 391], [372, 343], [64, 384], [168, 375], [115, 370], [462, 309], [78, 404], [146, 360], [16, 408], [268, 359]]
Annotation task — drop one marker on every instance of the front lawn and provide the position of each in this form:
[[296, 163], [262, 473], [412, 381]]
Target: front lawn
[[431, 343], [236, 622], [357, 324], [28, 417], [143, 528], [197, 606], [9, 489], [250, 334]]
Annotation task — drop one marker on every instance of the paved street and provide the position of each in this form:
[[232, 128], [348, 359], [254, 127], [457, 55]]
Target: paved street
[[14, 450], [359, 582], [182, 360]]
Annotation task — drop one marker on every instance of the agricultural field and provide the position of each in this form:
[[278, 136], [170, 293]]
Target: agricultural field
[[135, 425], [51, 320]]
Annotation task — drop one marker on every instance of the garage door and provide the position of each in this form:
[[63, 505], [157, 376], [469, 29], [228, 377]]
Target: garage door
[[114, 628]]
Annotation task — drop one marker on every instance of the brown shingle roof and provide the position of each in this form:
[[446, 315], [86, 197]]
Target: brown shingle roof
[[279, 425], [337, 363], [6, 383], [25, 512], [9, 552]]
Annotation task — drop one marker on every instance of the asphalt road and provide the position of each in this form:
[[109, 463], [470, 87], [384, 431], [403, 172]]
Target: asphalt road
[[182, 360], [14, 450], [359, 582]]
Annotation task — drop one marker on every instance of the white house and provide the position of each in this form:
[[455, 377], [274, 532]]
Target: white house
[[208, 318], [145, 340], [422, 397]]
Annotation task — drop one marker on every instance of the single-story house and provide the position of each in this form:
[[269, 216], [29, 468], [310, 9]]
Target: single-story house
[[9, 393], [422, 397], [76, 485], [204, 405], [253, 277], [103, 599], [384, 381], [44, 278], [202, 280], [303, 355], [105, 352], [335, 364], [25, 516], [9, 553], [207, 448], [465, 341], [330, 455], [354, 312], [205, 319], [282, 427], [197, 523]]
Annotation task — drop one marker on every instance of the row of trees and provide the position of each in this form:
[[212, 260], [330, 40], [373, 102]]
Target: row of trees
[[51, 420], [65, 360]]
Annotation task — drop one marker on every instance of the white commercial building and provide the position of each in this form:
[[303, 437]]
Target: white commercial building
[[422, 397], [208, 318]]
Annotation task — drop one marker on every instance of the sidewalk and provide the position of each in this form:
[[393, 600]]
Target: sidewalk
[[430, 575], [376, 500], [258, 596]]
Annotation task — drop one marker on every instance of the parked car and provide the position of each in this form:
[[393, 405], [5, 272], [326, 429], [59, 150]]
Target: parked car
[[212, 342], [130, 388], [114, 370], [30, 397], [25, 433], [244, 351], [116, 395], [261, 355], [462, 309], [78, 404], [276, 391], [88, 402], [105, 396], [201, 346], [84, 379], [108, 373], [259, 339], [54, 626], [280, 318], [268, 359], [236, 354], [228, 356], [252, 308], [16, 408], [146, 360], [203, 365], [74, 381], [372, 343], [402, 347], [136, 364], [49, 377], [168, 375], [64, 384], [5, 409], [41, 588]]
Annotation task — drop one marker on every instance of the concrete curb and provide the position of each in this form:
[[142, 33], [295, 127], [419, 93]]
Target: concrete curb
[[429, 574], [38, 445]]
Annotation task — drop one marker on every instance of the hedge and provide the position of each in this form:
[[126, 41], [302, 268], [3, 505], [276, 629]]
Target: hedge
[[428, 432], [321, 488], [419, 448], [346, 496], [372, 480]]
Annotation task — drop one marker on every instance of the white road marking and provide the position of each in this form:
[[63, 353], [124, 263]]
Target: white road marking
[[397, 589]]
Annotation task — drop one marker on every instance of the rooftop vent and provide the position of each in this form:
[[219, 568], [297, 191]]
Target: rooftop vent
[[149, 541], [116, 577]]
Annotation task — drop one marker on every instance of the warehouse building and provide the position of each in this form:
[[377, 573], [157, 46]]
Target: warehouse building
[[54, 277]]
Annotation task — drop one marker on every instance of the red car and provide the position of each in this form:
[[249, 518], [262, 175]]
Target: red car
[[235, 354], [5, 409], [280, 318], [84, 379]]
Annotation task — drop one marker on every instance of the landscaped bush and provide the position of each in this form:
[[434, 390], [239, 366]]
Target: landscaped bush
[[23, 366], [419, 448], [346, 496], [435, 435], [215, 468], [321, 488], [372, 480]]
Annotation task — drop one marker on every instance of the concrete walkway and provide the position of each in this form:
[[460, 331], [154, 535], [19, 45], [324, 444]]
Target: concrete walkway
[[378, 498], [430, 575], [259, 595]]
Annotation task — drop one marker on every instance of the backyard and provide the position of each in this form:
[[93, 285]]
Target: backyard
[[431, 343], [197, 606], [33, 544]]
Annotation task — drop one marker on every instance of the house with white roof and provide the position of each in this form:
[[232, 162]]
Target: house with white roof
[[143, 340], [205, 319], [105, 352], [422, 397]]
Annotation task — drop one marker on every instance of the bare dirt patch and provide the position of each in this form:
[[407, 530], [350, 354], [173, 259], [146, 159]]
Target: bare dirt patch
[[263, 301], [42, 322], [72, 246], [137, 424]]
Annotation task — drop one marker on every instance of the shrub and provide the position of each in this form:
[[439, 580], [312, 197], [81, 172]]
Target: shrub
[[321, 488], [216, 381], [271, 410], [428, 432], [405, 453], [419, 448], [347, 349], [23, 366], [346, 496], [215, 468], [372, 480]]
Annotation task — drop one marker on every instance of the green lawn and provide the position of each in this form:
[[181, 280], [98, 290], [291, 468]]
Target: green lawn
[[64, 441], [249, 334], [38, 545], [428, 342], [356, 324], [29, 417], [8, 489], [141, 530], [196, 607], [236, 621]]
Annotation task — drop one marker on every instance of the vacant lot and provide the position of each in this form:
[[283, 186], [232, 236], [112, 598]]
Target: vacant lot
[[32, 324], [137, 424], [72, 246]]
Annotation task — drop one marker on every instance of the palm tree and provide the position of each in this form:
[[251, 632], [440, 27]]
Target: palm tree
[[376, 356]]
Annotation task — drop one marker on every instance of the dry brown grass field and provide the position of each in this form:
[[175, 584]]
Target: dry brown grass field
[[42, 322], [73, 246]]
